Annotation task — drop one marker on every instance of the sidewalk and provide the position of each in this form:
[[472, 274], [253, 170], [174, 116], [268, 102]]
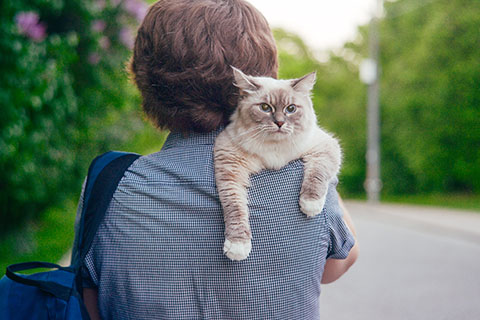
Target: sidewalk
[[458, 223], [415, 263]]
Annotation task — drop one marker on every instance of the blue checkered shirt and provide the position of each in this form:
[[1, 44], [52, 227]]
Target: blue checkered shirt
[[158, 253]]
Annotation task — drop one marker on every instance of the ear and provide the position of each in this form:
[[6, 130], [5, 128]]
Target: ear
[[305, 83], [243, 82]]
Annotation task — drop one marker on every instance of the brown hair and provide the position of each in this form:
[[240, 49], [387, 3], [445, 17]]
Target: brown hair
[[182, 57]]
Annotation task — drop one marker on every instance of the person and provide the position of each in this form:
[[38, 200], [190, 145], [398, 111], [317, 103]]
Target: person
[[158, 252]]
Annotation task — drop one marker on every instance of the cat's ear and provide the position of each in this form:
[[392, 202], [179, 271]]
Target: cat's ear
[[305, 83], [244, 82]]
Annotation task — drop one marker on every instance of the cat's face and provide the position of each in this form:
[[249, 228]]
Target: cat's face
[[275, 109]]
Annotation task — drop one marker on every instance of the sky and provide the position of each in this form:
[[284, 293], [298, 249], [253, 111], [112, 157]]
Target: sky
[[323, 24]]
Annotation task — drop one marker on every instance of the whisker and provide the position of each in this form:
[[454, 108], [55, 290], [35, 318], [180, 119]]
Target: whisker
[[245, 133]]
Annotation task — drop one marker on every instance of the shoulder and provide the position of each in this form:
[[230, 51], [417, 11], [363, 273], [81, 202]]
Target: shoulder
[[276, 180]]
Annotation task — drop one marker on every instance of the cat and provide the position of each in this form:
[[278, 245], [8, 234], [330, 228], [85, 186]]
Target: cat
[[273, 124]]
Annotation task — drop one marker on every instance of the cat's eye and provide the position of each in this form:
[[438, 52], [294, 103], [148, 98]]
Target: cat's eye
[[291, 108], [265, 107]]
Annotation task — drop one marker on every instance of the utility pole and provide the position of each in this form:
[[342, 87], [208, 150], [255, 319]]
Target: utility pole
[[370, 74]]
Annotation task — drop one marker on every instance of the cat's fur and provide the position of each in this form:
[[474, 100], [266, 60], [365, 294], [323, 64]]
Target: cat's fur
[[257, 139]]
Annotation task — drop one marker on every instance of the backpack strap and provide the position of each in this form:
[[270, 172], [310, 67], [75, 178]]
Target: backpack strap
[[56, 289], [104, 174]]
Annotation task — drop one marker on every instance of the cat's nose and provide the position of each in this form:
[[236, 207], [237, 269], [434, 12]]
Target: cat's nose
[[279, 123]]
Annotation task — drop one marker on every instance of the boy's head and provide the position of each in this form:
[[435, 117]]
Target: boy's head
[[182, 57]]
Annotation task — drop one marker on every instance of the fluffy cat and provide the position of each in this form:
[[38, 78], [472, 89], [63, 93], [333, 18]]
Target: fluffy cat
[[273, 124]]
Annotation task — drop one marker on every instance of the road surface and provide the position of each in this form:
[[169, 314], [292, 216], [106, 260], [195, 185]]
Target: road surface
[[415, 263]]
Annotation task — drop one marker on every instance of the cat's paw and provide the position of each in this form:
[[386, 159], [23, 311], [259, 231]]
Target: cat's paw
[[312, 207], [237, 250]]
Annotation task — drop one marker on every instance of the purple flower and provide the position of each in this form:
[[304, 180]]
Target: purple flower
[[98, 25], [104, 43], [94, 58], [101, 4], [115, 2], [28, 24], [136, 8], [126, 37]]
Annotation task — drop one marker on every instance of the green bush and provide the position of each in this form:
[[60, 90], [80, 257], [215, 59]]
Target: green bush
[[64, 94], [430, 97]]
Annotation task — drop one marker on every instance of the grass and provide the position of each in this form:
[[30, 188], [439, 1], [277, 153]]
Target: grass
[[453, 201], [45, 240]]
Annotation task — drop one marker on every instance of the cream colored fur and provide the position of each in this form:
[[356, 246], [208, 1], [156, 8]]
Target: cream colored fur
[[256, 140]]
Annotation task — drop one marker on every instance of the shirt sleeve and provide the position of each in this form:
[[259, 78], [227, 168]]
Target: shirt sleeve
[[341, 239]]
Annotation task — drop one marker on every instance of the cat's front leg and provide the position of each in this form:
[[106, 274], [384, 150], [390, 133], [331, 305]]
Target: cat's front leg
[[321, 165], [232, 171]]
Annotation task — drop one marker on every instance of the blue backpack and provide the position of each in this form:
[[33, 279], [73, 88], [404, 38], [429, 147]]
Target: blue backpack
[[57, 294]]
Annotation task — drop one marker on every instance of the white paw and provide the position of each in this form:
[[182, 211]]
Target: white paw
[[312, 207], [237, 250]]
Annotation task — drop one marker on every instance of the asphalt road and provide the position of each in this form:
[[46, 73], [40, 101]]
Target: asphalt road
[[415, 263]]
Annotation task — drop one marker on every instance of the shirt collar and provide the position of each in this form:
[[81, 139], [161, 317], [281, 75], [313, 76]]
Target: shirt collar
[[176, 139]]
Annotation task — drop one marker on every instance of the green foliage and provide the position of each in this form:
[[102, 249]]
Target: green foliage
[[48, 239], [65, 98], [470, 202], [430, 97]]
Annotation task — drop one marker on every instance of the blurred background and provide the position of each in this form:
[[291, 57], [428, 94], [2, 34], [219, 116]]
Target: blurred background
[[66, 97]]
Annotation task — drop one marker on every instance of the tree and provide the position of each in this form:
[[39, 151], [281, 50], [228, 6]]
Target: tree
[[431, 96], [64, 93]]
